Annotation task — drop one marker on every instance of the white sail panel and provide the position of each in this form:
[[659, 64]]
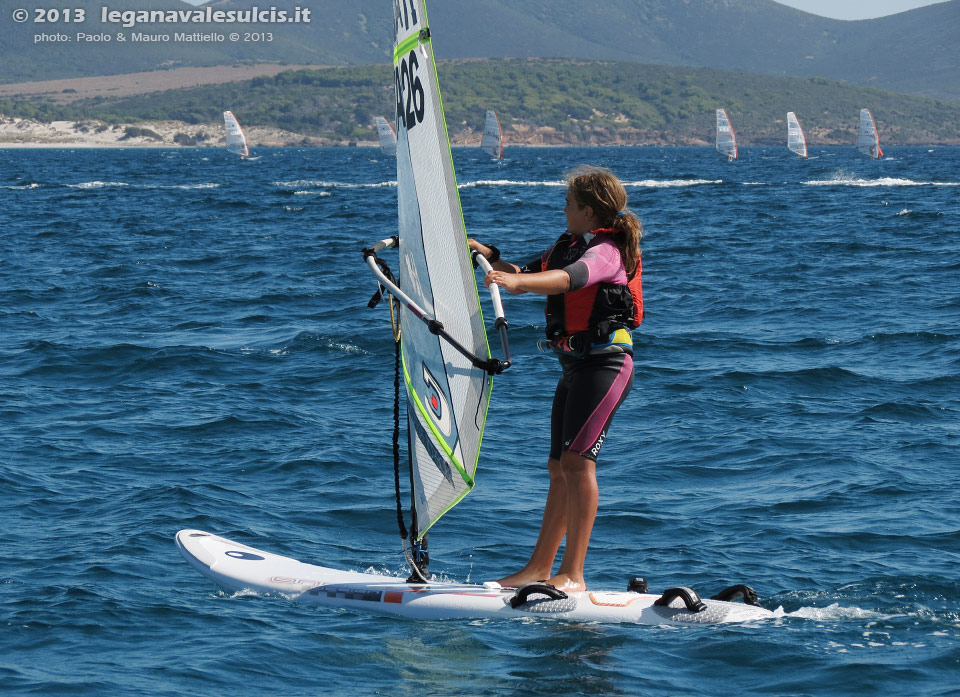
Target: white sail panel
[[796, 140], [388, 137], [726, 138], [236, 141], [868, 140], [447, 395], [492, 140]]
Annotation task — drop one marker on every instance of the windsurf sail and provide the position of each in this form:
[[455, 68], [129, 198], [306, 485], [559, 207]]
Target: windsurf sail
[[236, 141], [492, 140], [447, 364], [726, 138], [796, 140], [868, 141], [388, 137]]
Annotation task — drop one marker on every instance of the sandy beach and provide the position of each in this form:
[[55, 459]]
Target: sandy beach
[[29, 133]]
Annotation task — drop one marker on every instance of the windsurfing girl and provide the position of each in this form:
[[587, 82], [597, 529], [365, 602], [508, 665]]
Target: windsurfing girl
[[591, 277]]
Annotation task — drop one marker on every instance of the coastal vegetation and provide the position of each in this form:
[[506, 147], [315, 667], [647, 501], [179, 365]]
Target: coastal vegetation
[[549, 101]]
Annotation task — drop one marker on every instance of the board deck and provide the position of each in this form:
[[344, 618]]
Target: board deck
[[235, 566]]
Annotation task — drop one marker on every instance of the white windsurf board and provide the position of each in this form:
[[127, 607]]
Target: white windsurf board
[[237, 567]]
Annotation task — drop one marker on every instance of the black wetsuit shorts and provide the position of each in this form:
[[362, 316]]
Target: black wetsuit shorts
[[588, 395]]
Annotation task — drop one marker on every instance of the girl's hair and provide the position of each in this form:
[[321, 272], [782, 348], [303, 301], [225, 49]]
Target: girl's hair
[[601, 190]]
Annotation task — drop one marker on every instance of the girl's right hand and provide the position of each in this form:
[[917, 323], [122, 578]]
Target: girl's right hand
[[508, 281]]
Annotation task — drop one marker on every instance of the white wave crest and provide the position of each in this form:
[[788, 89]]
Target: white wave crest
[[883, 181], [321, 184], [207, 185], [508, 182], [160, 187], [95, 185], [835, 612], [671, 183], [642, 184]]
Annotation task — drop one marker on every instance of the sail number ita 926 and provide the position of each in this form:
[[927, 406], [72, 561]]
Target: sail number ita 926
[[410, 97], [404, 16]]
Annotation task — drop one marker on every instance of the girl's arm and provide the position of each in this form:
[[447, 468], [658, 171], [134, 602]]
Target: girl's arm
[[487, 252], [549, 282], [509, 277]]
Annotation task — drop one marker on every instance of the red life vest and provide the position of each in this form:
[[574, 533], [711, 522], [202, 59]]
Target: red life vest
[[597, 310]]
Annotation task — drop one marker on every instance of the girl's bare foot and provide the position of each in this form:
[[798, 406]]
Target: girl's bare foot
[[521, 578], [567, 584]]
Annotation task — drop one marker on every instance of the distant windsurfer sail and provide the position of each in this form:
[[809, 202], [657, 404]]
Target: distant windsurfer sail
[[388, 137], [796, 140], [236, 141], [868, 140], [726, 138], [447, 365], [492, 140]]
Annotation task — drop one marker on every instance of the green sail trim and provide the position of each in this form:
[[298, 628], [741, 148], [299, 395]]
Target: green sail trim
[[408, 45]]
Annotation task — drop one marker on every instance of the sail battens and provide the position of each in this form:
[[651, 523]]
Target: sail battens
[[408, 44]]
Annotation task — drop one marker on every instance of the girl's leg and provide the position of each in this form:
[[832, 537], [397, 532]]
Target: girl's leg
[[597, 388], [552, 529], [570, 510], [571, 507], [580, 482]]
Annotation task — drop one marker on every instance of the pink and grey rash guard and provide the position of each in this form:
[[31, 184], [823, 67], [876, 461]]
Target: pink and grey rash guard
[[598, 263], [601, 262]]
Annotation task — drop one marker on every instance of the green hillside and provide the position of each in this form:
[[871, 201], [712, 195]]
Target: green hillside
[[543, 100], [910, 52]]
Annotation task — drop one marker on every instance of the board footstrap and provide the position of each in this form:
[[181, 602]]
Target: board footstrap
[[688, 595], [522, 596]]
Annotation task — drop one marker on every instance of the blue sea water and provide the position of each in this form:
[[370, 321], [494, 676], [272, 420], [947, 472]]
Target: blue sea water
[[185, 342]]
